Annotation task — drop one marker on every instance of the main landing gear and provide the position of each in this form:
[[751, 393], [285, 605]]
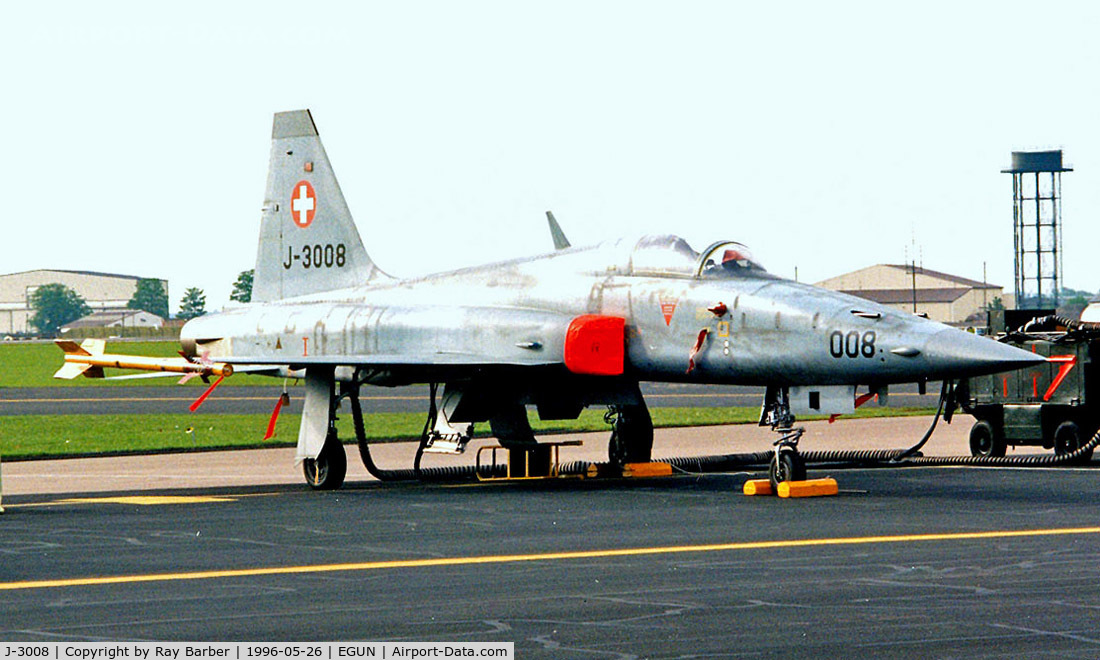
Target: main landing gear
[[324, 462], [787, 464], [327, 471], [631, 434]]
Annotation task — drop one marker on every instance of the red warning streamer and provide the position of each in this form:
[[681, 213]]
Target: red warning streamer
[[210, 390], [284, 399]]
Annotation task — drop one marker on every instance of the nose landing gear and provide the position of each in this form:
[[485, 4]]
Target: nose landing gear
[[787, 464]]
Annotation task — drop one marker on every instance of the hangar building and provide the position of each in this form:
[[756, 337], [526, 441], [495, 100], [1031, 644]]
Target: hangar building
[[102, 291], [116, 318], [943, 297]]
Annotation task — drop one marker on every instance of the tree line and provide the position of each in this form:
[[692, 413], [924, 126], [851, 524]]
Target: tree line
[[56, 305]]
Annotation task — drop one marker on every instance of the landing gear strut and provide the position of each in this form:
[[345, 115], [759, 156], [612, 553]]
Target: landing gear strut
[[631, 434], [787, 464], [324, 462]]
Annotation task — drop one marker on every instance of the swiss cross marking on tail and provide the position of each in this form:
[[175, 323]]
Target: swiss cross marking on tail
[[303, 204]]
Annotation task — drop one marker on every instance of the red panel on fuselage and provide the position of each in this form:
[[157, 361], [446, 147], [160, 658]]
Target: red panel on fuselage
[[595, 345]]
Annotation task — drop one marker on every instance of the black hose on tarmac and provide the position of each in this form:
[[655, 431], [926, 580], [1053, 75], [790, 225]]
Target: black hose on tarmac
[[909, 457], [364, 447], [722, 462], [946, 391], [890, 457], [1031, 460], [449, 473]]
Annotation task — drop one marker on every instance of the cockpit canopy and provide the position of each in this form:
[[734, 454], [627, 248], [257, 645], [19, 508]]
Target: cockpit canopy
[[672, 255], [727, 259]]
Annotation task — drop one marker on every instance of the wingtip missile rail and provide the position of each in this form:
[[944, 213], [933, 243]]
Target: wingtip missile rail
[[89, 359]]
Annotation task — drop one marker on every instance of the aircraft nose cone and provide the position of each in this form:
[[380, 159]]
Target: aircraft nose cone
[[954, 353]]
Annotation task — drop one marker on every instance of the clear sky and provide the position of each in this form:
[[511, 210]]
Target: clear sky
[[827, 136]]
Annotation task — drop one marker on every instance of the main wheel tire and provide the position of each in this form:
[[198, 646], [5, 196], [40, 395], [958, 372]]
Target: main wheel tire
[[985, 440], [327, 471], [1068, 438], [617, 449], [631, 437], [786, 466]]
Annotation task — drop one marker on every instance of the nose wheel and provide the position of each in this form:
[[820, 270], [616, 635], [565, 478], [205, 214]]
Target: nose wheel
[[787, 464]]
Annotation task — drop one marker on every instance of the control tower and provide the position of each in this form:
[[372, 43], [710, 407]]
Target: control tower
[[1036, 222]]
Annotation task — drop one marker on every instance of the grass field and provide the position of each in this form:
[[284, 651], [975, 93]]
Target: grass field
[[58, 436]]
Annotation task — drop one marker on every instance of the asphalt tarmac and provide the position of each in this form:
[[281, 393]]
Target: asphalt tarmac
[[904, 562], [138, 400]]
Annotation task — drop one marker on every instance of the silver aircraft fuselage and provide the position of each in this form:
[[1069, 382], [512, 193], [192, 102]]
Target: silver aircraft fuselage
[[772, 331]]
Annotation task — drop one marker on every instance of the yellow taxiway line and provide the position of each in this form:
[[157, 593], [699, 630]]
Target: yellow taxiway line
[[143, 500], [534, 557]]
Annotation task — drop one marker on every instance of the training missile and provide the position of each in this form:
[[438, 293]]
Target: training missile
[[89, 359]]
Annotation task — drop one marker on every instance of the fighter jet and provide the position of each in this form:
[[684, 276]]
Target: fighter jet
[[576, 327]]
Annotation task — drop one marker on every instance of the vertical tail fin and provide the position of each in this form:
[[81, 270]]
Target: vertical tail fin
[[308, 240]]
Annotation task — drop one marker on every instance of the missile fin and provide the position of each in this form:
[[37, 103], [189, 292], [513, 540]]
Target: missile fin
[[93, 346], [70, 347], [72, 369]]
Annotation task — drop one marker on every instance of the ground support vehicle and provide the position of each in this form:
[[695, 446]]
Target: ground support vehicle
[[1054, 405]]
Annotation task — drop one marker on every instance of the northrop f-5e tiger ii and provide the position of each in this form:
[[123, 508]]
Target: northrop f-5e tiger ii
[[576, 327]]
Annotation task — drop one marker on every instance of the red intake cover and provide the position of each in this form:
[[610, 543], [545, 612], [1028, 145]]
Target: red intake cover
[[595, 345]]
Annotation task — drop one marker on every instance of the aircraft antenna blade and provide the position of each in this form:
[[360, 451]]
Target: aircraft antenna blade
[[560, 241]]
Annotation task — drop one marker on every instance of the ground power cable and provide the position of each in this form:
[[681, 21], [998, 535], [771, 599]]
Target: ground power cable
[[727, 463]]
